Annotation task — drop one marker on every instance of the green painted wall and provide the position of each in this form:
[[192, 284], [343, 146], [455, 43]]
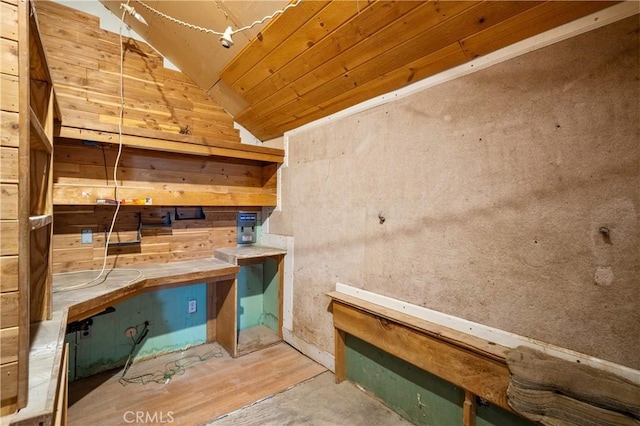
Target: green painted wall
[[418, 396], [270, 302], [250, 296], [171, 328], [258, 295]]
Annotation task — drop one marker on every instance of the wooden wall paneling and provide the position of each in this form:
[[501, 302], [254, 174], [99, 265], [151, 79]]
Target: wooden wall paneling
[[40, 183], [9, 309], [8, 345], [70, 15], [254, 52], [184, 239], [8, 273], [9, 242], [9, 20], [8, 201], [8, 129], [40, 94], [8, 56], [156, 99], [8, 387], [9, 88], [530, 22], [80, 177], [40, 286], [9, 167]]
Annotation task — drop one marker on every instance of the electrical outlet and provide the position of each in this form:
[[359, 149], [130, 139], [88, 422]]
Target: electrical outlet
[[193, 307], [87, 236], [85, 333]]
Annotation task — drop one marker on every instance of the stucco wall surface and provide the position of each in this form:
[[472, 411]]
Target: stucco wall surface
[[510, 198]]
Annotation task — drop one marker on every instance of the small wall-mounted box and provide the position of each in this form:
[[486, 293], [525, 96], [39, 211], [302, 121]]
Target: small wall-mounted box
[[247, 227]]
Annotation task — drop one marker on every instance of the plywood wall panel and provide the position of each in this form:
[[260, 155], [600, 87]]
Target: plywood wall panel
[[495, 187]]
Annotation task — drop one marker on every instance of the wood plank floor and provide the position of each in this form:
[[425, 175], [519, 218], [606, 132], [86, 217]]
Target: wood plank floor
[[197, 394]]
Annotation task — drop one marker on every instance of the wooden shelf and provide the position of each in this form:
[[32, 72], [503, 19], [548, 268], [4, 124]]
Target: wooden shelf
[[37, 222], [176, 143], [38, 136]]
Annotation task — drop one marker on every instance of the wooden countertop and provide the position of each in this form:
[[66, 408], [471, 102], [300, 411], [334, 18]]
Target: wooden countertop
[[253, 251], [115, 285]]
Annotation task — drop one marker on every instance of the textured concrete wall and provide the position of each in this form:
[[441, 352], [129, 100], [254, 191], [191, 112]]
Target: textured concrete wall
[[495, 188]]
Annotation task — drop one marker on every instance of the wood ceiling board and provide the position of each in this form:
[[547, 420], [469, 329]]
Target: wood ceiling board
[[426, 43], [425, 16], [493, 14], [529, 23], [323, 24], [359, 27], [439, 61], [278, 30]]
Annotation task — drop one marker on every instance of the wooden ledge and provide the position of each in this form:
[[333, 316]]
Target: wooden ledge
[[243, 254], [473, 364], [472, 343]]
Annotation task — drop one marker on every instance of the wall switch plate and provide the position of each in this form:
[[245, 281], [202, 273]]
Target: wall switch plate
[[87, 236], [192, 306]]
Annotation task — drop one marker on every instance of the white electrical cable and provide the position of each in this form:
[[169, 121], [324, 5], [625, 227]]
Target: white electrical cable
[[115, 185], [210, 31]]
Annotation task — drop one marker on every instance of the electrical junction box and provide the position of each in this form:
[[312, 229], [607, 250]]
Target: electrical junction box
[[247, 227]]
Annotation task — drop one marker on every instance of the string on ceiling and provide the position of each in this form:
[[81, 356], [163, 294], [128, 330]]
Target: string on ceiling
[[225, 38]]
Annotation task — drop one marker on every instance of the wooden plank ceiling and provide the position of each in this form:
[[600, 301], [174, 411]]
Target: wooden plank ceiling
[[323, 56]]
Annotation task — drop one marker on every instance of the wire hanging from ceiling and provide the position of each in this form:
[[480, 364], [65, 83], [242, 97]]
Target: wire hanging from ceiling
[[210, 31]]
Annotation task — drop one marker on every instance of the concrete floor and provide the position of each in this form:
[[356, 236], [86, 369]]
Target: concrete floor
[[318, 401]]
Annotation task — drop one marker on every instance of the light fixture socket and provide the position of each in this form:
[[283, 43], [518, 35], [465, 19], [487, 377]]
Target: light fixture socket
[[226, 39], [131, 11]]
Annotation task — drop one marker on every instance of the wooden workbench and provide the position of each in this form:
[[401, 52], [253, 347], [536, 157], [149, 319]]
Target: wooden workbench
[[47, 357]]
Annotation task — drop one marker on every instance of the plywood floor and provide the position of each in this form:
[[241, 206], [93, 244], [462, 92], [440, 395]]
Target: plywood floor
[[316, 402], [201, 392]]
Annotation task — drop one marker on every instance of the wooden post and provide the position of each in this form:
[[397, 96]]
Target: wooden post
[[469, 409], [340, 361], [211, 312]]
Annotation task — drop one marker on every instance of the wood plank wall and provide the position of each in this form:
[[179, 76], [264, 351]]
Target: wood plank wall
[[84, 62], [9, 294], [84, 173], [182, 240]]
